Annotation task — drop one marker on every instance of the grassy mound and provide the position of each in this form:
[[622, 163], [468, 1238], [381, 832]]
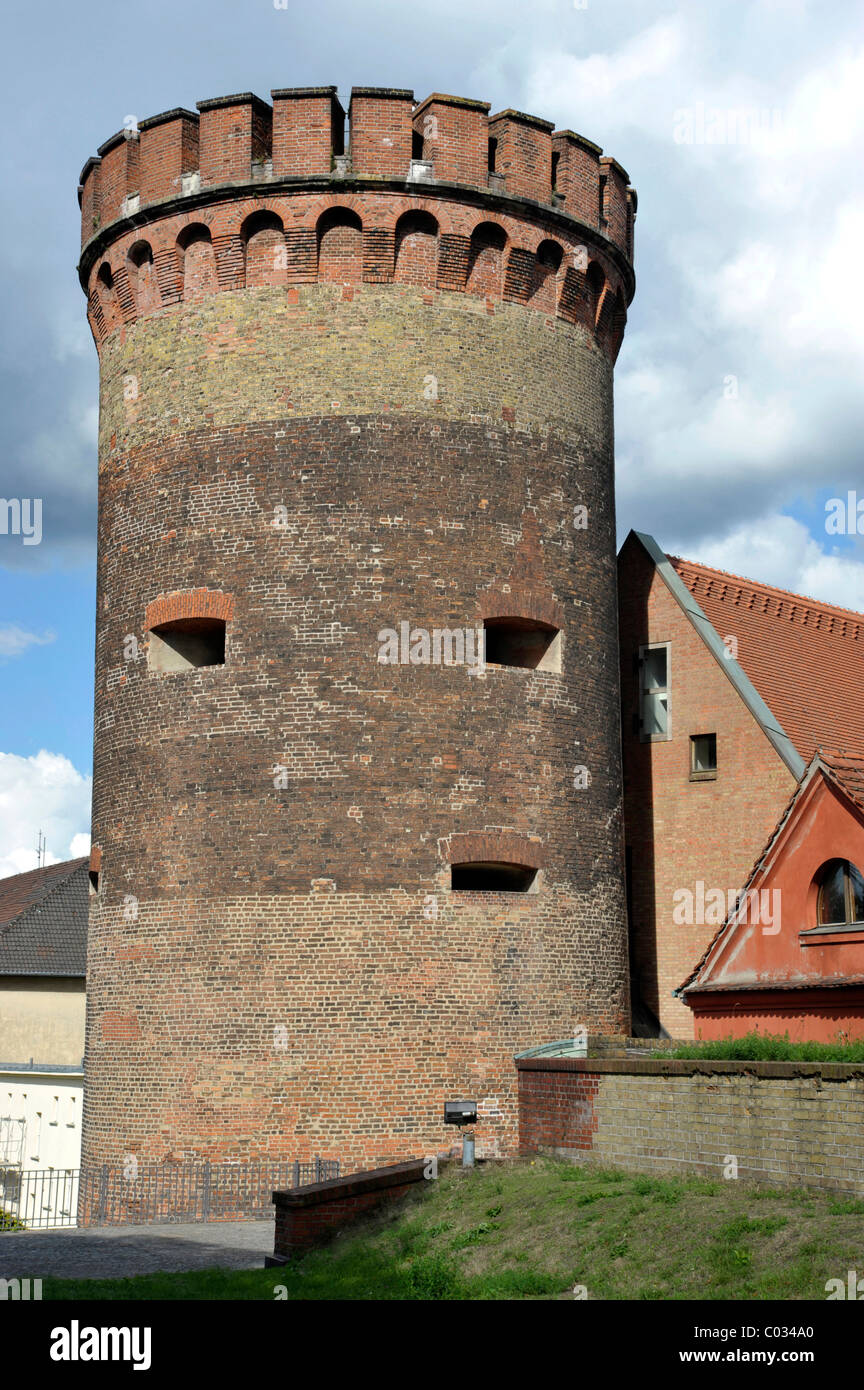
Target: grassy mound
[[536, 1230]]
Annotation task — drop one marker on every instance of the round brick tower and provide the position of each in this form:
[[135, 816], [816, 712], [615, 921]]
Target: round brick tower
[[356, 419]]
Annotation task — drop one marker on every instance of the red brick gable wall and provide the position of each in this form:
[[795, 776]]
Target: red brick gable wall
[[678, 831], [823, 825]]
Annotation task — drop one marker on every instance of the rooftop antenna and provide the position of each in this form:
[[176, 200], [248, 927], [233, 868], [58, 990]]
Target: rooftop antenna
[[40, 850]]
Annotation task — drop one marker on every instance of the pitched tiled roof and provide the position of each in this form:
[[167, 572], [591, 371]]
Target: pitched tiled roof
[[847, 769], [805, 658], [43, 920]]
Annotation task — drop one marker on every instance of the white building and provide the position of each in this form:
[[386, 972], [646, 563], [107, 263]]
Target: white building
[[43, 946]]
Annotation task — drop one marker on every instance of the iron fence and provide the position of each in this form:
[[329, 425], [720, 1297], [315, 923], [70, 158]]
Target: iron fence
[[39, 1198], [145, 1194]]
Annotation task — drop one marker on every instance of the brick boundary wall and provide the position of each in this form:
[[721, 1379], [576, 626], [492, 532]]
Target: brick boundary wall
[[786, 1123], [310, 1215]]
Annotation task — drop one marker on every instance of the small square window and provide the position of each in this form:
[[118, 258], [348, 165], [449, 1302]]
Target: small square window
[[522, 642], [703, 757], [186, 643]]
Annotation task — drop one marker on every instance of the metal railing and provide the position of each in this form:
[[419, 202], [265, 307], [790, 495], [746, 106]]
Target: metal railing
[[157, 1193], [41, 1197]]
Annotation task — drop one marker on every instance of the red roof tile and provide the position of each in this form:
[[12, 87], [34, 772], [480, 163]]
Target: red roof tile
[[20, 891], [847, 769], [43, 920], [805, 658]]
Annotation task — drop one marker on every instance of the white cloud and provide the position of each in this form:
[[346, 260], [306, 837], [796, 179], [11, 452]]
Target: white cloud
[[44, 792], [779, 550], [14, 640], [607, 82]]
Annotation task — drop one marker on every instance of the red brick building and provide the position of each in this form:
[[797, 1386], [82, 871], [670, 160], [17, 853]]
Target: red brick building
[[790, 957], [728, 689]]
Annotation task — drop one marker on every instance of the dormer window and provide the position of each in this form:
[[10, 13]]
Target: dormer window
[[841, 894]]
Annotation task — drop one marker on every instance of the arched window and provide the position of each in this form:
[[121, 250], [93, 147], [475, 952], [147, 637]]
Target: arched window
[[105, 281], [106, 299], [596, 282], [486, 259], [142, 278], [266, 256], [547, 263], [416, 248], [199, 263], [619, 322], [188, 629], [841, 894], [340, 246]]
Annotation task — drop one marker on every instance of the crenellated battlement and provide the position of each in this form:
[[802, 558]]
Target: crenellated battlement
[[438, 193]]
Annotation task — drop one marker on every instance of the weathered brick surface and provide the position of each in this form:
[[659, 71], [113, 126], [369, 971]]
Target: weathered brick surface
[[524, 153], [455, 137], [381, 131], [169, 149], [234, 133], [284, 967], [308, 127], [787, 1123]]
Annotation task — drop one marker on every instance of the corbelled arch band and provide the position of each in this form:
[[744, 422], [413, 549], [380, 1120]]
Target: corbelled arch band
[[499, 258]]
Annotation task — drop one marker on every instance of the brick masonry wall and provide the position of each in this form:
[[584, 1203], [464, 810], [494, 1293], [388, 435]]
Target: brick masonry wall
[[681, 831], [309, 1216], [786, 1123], [382, 762], [278, 966]]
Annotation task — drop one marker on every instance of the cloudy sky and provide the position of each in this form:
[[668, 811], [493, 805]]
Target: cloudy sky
[[739, 385]]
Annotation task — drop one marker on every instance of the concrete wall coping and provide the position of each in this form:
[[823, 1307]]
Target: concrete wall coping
[[692, 1066], [352, 1185]]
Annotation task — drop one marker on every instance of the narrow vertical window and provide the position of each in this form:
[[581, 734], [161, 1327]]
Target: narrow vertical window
[[654, 692]]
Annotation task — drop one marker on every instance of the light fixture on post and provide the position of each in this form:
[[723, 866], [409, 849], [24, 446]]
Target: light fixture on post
[[462, 1112]]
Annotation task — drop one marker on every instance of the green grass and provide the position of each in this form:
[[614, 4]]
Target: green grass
[[767, 1047], [535, 1230]]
